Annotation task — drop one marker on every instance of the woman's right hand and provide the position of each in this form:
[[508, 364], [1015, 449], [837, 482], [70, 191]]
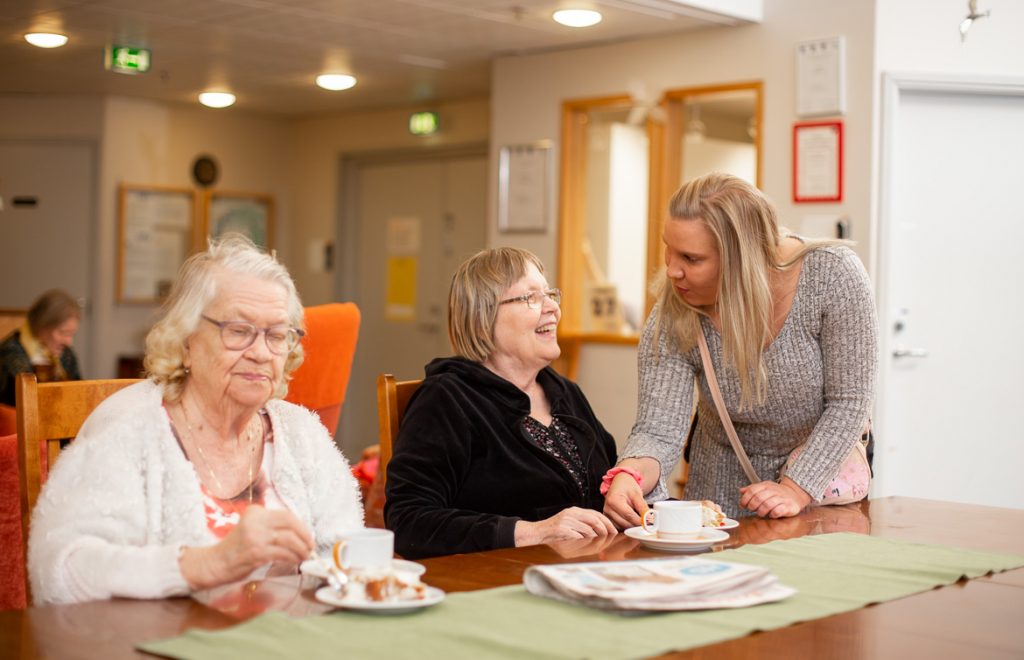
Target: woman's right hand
[[262, 536], [571, 523], [624, 502]]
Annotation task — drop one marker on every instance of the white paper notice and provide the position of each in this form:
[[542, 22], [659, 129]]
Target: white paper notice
[[820, 65], [817, 158]]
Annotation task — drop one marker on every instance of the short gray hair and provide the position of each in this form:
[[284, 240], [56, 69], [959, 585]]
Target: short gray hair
[[195, 288], [473, 298]]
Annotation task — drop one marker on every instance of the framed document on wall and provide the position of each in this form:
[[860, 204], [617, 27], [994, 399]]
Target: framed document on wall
[[524, 187], [249, 214], [156, 228], [818, 161]]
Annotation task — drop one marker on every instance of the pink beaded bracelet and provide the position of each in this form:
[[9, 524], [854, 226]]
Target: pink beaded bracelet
[[606, 480]]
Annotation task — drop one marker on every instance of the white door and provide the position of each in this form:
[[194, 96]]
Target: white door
[[46, 237], [951, 262], [443, 202]]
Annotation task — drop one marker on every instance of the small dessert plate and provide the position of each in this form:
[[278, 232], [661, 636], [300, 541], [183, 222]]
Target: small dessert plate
[[332, 597], [728, 523], [315, 568], [707, 538]]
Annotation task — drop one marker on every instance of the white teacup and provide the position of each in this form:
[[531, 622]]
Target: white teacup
[[674, 519], [365, 550]]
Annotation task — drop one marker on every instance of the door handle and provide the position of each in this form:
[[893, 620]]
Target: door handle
[[904, 352]]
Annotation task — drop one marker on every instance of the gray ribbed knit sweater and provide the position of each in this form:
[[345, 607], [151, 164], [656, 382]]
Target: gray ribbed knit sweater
[[821, 377]]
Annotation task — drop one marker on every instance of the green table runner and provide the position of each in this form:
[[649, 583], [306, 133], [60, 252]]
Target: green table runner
[[833, 573]]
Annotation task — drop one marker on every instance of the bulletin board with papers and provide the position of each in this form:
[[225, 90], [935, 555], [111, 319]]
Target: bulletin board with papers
[[156, 228]]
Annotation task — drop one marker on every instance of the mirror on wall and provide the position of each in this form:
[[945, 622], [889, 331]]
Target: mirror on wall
[[621, 161], [605, 186]]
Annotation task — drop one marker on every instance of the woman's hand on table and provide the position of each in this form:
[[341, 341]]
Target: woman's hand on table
[[571, 523], [624, 502], [769, 499], [261, 537]]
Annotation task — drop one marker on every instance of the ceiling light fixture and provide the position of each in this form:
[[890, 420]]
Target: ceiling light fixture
[[577, 18], [216, 99], [46, 39], [336, 81]]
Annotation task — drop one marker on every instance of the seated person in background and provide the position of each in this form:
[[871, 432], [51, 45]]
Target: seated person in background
[[496, 449], [42, 345], [200, 475]]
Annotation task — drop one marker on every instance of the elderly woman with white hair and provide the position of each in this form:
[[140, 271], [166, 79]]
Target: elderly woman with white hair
[[200, 475]]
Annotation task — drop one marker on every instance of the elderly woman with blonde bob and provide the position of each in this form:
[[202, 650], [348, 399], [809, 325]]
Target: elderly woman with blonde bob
[[791, 329], [200, 475], [496, 449]]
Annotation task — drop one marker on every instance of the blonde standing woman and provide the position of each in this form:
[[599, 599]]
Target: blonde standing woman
[[791, 328]]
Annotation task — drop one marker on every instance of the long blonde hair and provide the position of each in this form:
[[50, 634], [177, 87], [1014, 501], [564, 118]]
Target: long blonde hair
[[747, 234]]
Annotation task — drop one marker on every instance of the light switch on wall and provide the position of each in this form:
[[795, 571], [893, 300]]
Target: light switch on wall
[[318, 255], [825, 226]]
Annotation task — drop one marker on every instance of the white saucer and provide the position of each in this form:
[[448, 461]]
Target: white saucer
[[728, 523], [316, 569], [707, 538], [332, 597]]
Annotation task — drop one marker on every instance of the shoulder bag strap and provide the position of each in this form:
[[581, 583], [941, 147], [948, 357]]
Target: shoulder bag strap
[[723, 414]]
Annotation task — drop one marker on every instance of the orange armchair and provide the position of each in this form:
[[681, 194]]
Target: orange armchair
[[330, 344]]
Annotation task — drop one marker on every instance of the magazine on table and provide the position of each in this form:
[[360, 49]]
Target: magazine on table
[[690, 583]]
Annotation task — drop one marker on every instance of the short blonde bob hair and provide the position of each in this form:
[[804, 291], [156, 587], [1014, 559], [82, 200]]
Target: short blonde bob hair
[[196, 287], [474, 295]]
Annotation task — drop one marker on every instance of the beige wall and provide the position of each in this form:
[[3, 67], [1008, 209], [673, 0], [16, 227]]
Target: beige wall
[[528, 91], [315, 149], [152, 143]]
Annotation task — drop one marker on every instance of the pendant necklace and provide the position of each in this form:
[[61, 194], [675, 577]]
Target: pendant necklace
[[249, 435]]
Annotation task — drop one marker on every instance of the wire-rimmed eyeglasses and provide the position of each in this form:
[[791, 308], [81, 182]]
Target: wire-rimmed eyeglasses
[[239, 335], [535, 299]]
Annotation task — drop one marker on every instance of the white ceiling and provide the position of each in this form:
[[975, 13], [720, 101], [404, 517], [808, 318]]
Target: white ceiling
[[269, 51]]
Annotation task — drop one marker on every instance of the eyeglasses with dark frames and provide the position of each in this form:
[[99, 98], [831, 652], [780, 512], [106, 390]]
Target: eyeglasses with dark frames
[[239, 335], [535, 299]]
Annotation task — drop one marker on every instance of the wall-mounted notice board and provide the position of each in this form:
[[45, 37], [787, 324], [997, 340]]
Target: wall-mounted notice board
[[155, 234]]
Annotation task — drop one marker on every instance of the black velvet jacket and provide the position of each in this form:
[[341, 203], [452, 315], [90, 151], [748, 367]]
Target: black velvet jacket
[[464, 472], [14, 360]]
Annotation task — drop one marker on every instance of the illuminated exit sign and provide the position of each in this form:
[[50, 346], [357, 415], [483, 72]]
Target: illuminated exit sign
[[424, 123], [127, 59]]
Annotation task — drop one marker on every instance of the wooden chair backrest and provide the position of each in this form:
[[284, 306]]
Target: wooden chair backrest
[[392, 397], [48, 413]]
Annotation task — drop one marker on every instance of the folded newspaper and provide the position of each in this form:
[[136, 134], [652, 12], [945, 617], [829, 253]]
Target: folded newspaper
[[690, 583]]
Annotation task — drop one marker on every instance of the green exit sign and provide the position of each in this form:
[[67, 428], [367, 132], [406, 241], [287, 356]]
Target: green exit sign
[[127, 59], [424, 123]]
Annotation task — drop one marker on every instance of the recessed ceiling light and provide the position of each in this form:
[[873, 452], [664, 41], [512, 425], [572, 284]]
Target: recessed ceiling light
[[336, 81], [577, 17], [46, 39], [216, 99]]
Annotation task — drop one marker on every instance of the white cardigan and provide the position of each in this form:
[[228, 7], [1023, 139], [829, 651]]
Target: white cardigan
[[123, 499]]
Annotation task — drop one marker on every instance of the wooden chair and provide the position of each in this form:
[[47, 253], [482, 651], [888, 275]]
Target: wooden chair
[[392, 397], [47, 414]]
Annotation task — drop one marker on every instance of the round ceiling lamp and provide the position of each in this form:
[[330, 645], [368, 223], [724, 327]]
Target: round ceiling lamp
[[217, 99], [336, 81], [46, 39], [577, 18]]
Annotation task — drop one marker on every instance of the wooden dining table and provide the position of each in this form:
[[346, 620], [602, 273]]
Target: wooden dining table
[[978, 618]]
